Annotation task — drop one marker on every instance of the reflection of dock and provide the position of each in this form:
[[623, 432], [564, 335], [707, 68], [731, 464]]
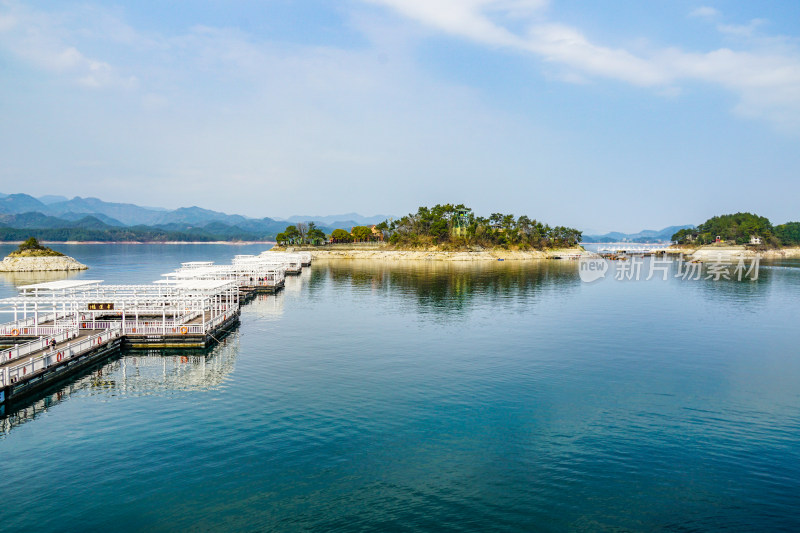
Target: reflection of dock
[[139, 372], [149, 370], [295, 284], [61, 327], [41, 367], [266, 307]]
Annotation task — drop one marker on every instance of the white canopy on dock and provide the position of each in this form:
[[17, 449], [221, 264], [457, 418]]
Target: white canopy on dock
[[203, 285], [201, 302], [244, 272], [63, 286], [196, 264]]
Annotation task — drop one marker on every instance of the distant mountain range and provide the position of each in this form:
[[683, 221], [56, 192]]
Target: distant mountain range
[[59, 218], [664, 235]]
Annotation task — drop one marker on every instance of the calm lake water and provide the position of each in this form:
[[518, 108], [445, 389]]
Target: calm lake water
[[429, 397]]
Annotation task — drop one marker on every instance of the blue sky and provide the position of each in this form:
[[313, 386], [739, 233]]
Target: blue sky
[[605, 116]]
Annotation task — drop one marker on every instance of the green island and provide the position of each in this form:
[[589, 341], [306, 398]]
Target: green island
[[31, 248], [741, 229], [447, 228]]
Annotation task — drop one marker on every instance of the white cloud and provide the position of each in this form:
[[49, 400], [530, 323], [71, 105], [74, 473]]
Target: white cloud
[[704, 12], [568, 47], [766, 79], [463, 17], [40, 39], [741, 30]]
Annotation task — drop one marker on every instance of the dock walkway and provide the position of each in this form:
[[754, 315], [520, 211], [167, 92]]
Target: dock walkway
[[11, 356], [192, 308]]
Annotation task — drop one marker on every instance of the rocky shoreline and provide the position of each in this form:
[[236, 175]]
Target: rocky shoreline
[[727, 253], [41, 264]]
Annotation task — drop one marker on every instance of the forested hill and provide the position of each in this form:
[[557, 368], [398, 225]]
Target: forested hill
[[739, 228], [452, 226]]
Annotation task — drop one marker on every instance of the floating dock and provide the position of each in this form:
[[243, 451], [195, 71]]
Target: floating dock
[[61, 327], [633, 249]]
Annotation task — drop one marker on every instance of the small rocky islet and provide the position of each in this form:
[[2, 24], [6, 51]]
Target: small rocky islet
[[33, 257]]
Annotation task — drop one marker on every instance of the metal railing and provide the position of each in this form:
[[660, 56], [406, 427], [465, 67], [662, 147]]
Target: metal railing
[[59, 355], [133, 326], [21, 350], [37, 331], [216, 321], [63, 353], [97, 324], [262, 283], [176, 329], [29, 324]]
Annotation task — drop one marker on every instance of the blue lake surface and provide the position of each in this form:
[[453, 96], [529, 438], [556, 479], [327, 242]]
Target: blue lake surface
[[427, 396]]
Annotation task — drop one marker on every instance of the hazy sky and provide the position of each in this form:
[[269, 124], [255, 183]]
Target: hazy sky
[[617, 115]]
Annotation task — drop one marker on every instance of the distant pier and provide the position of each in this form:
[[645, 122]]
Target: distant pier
[[61, 327], [633, 249]]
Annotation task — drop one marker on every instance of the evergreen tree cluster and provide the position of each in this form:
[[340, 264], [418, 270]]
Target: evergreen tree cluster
[[739, 228], [31, 247], [456, 226]]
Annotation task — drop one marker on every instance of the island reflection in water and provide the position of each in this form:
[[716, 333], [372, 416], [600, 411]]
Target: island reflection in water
[[448, 286], [19, 279]]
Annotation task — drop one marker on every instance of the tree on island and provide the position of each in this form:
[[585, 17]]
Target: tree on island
[[301, 229], [289, 236], [383, 227], [448, 226], [301, 234], [30, 244], [456, 226], [362, 233], [789, 233], [340, 235], [314, 235], [738, 228], [31, 247]]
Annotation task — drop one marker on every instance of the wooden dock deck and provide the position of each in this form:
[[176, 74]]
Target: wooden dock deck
[[6, 359]]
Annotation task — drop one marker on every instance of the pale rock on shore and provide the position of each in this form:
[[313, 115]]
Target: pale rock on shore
[[782, 253], [713, 253], [40, 264]]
